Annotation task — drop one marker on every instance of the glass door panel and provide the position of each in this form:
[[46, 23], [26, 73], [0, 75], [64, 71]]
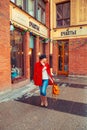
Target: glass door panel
[[62, 57], [66, 57]]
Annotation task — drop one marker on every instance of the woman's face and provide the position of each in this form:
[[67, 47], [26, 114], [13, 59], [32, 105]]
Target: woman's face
[[44, 60]]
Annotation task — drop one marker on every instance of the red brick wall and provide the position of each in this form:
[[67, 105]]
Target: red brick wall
[[26, 56], [48, 14], [78, 56], [55, 58], [47, 45], [5, 72]]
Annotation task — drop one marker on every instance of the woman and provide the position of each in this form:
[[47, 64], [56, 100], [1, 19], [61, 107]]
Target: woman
[[42, 75]]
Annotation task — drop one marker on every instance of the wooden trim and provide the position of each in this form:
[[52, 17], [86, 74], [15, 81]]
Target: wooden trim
[[63, 72]]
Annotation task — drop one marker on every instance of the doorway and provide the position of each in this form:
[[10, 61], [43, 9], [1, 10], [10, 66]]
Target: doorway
[[63, 57]]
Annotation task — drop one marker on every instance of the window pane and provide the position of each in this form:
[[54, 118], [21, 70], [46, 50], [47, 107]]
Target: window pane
[[63, 14], [39, 14], [13, 1], [30, 7], [43, 16], [59, 11], [19, 3], [31, 42], [59, 23], [66, 10], [41, 11], [66, 22]]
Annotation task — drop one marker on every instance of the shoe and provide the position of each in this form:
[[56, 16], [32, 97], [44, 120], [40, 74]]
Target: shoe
[[42, 104], [46, 104]]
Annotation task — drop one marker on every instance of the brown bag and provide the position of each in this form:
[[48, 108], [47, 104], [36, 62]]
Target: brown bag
[[55, 89]]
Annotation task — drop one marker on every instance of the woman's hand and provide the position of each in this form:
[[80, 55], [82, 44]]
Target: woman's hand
[[44, 68]]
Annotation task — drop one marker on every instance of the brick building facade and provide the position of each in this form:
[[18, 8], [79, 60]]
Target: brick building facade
[[5, 75], [25, 29], [68, 23], [23, 36]]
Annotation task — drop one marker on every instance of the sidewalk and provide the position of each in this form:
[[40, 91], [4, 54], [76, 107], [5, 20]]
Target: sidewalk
[[18, 92], [67, 112], [62, 81], [71, 80]]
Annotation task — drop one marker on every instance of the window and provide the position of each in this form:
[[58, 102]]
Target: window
[[31, 7], [17, 58], [63, 14], [13, 1], [20, 3], [35, 8], [32, 39], [41, 11]]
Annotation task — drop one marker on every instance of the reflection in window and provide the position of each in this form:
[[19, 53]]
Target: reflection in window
[[32, 38], [17, 59], [21, 4], [13, 1], [30, 7], [63, 14], [41, 11]]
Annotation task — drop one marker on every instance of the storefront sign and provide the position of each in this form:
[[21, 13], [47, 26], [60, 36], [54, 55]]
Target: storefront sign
[[68, 32], [33, 25]]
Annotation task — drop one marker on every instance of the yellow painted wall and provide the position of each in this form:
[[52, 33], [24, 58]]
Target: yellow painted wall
[[78, 20], [78, 13]]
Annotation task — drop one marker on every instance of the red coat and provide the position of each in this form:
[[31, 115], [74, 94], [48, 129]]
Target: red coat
[[38, 73]]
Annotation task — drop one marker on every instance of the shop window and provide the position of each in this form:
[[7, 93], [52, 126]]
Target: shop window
[[63, 14], [41, 11], [17, 58], [32, 42], [31, 7]]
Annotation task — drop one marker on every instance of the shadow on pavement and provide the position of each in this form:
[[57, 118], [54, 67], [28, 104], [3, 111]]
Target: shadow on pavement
[[58, 105], [72, 85]]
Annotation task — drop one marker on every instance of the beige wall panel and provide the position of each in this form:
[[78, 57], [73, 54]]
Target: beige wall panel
[[82, 12], [57, 1], [74, 9], [72, 32], [78, 12]]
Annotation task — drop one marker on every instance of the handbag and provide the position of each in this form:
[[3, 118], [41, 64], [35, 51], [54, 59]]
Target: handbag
[[55, 89]]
